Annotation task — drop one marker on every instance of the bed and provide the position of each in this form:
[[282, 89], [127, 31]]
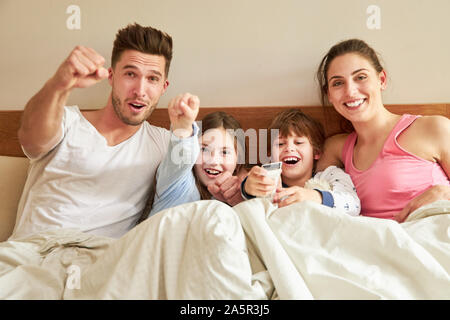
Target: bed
[[208, 250]]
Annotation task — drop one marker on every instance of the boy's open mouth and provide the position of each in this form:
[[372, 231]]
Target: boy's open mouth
[[291, 160]]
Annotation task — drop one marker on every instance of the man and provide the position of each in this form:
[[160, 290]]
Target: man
[[93, 170]]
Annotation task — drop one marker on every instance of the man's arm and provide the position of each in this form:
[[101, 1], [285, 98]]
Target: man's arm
[[40, 128]]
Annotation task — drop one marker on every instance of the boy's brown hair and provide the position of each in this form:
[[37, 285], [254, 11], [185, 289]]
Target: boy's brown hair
[[143, 39], [295, 121]]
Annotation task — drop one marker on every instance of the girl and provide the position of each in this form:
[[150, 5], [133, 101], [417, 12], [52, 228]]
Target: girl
[[298, 146], [192, 163], [397, 162]]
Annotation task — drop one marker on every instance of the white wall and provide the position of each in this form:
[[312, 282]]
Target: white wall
[[233, 52]]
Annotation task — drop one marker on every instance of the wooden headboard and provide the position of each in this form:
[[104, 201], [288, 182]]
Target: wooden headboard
[[249, 117]]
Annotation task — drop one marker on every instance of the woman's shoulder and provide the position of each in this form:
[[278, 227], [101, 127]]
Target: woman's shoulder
[[427, 137], [431, 126], [340, 137], [332, 151], [433, 120], [335, 143]]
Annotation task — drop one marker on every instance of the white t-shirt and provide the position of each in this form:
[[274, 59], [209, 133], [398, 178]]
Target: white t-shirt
[[85, 184]]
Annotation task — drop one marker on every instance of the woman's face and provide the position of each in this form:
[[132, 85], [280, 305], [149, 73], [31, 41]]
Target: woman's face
[[354, 87], [217, 155]]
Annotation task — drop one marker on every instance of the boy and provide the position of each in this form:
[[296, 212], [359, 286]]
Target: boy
[[298, 146]]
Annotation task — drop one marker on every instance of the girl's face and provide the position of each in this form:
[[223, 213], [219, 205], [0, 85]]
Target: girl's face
[[217, 155], [354, 87], [297, 156]]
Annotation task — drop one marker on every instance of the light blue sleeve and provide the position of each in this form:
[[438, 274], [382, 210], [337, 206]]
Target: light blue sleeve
[[175, 182]]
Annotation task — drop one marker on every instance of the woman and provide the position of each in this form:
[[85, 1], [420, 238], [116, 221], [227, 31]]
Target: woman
[[398, 163]]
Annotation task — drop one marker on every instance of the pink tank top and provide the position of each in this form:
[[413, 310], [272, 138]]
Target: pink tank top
[[394, 178]]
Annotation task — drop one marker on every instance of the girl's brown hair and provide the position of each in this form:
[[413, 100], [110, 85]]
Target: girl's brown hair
[[218, 120]]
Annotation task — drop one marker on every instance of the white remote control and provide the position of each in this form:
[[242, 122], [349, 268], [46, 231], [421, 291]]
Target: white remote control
[[273, 172]]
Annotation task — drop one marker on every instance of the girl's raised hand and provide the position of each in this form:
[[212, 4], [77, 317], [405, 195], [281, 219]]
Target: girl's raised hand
[[183, 111]]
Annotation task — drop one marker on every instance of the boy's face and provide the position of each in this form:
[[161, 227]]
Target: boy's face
[[296, 154]]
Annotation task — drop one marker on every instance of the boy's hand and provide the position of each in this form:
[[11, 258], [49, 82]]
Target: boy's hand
[[183, 110], [258, 184], [287, 196]]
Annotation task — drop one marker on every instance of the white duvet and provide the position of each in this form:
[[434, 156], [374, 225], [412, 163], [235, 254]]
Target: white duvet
[[208, 250]]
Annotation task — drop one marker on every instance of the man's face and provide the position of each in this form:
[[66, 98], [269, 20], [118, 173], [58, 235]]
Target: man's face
[[138, 80]]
